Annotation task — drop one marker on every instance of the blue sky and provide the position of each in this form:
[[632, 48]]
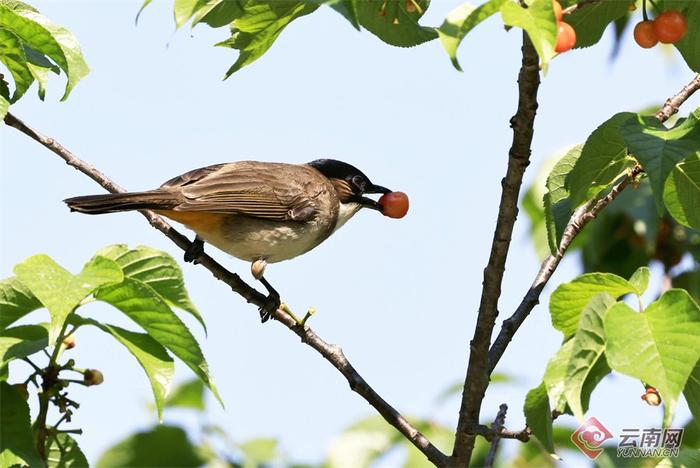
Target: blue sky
[[400, 296]]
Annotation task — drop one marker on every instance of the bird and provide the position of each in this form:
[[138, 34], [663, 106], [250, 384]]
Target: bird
[[260, 212]]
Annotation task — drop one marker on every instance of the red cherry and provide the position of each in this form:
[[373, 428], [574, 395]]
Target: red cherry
[[394, 204], [558, 11], [566, 37], [670, 26], [644, 34]]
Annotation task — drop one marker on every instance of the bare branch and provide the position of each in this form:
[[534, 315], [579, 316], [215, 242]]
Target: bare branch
[[672, 104], [331, 353], [578, 220], [477, 378]]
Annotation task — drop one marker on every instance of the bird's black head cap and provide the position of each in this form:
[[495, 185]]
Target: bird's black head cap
[[356, 179]]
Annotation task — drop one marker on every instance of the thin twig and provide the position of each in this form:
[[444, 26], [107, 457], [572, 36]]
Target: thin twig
[[496, 426], [477, 378], [330, 352], [577, 222], [490, 433]]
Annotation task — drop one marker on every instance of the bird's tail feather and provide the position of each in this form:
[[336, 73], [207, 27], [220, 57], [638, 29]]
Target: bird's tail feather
[[115, 202]]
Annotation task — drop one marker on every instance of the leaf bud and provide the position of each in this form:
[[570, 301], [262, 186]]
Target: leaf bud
[[93, 377], [69, 341], [652, 397]]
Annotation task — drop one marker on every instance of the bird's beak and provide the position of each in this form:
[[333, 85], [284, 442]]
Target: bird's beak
[[377, 189], [368, 202]]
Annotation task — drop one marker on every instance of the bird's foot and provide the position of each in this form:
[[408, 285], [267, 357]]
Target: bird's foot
[[272, 303], [195, 249]]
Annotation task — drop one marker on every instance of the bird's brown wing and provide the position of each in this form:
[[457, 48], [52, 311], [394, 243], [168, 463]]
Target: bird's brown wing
[[272, 191]]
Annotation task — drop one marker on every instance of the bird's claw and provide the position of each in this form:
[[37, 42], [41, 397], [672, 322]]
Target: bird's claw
[[272, 303], [195, 249]]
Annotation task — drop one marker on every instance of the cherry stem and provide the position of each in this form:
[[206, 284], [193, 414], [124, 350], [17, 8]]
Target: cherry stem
[[644, 10]]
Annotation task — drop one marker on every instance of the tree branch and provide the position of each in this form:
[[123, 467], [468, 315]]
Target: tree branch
[[674, 103], [477, 378], [331, 353], [578, 220]]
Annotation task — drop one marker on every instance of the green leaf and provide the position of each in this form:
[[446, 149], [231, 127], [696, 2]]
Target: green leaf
[[603, 159], [145, 307], [347, 8], [143, 6], [12, 55], [539, 23], [152, 357], [659, 149], [254, 32], [218, 13], [569, 299], [640, 280], [45, 37], [682, 192], [691, 434], [587, 350], [690, 281], [590, 21], [64, 453], [393, 23], [189, 394], [363, 442], [259, 452], [659, 346], [460, 21], [555, 376], [689, 45], [533, 205], [184, 9], [691, 392], [557, 205], [16, 301], [161, 446], [4, 107], [539, 416], [59, 290], [624, 235], [16, 437], [687, 458], [158, 270], [40, 67], [22, 341], [9, 459]]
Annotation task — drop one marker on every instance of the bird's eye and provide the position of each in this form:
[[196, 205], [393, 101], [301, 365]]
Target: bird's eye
[[359, 182]]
